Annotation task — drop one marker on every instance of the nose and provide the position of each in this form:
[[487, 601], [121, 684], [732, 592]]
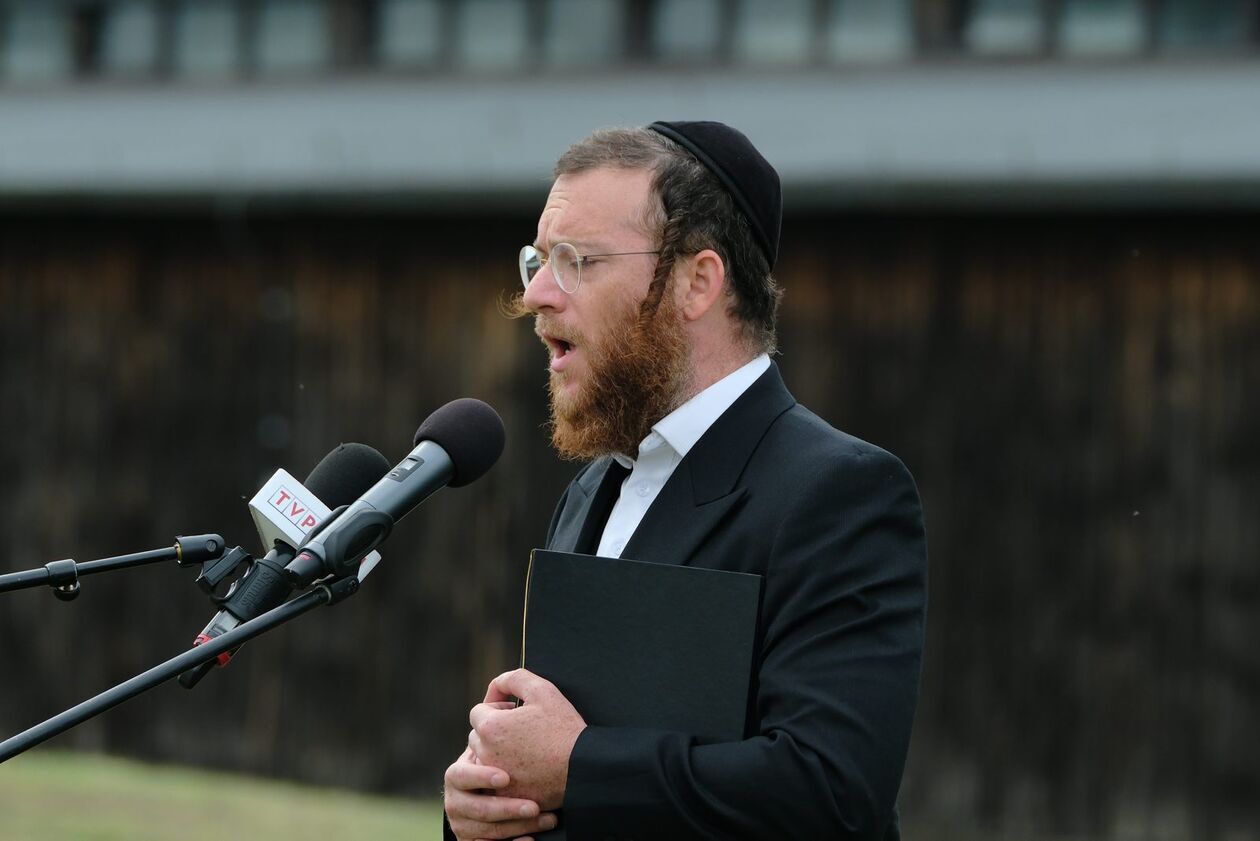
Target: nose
[[543, 293]]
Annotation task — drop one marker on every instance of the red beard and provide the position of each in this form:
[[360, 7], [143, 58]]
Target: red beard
[[636, 376]]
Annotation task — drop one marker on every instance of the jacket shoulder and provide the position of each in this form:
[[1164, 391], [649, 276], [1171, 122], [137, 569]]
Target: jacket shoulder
[[800, 437]]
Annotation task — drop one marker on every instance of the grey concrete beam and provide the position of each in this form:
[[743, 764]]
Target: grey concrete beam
[[953, 133]]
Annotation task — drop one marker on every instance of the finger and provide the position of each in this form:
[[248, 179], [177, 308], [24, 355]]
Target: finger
[[496, 831], [480, 714], [547, 820], [470, 776], [518, 683], [475, 744], [501, 705], [490, 809], [494, 694]]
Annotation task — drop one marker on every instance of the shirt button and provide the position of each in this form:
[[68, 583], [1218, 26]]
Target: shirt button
[[643, 489], [618, 545]]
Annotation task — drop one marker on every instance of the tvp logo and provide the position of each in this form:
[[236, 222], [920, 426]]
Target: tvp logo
[[294, 509]]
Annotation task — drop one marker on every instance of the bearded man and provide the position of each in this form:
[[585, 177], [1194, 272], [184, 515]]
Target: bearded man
[[650, 282]]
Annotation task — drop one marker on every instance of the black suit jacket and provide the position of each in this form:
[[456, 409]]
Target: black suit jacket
[[835, 527]]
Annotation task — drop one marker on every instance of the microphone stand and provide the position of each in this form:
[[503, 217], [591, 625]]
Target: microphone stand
[[63, 576], [323, 594]]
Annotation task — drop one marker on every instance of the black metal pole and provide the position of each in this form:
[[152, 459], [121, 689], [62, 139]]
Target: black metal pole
[[321, 595], [136, 559], [186, 550], [25, 578]]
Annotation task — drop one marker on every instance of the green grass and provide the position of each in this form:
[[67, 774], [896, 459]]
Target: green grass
[[54, 795]]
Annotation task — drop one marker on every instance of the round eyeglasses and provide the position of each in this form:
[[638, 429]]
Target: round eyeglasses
[[566, 264]]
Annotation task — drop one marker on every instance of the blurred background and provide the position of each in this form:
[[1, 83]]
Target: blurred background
[[1020, 250]]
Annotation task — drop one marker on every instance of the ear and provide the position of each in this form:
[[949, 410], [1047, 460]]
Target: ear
[[701, 285]]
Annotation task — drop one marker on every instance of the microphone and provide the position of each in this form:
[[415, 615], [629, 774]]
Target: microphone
[[454, 446], [285, 512]]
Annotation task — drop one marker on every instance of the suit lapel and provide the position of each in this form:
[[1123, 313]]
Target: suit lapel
[[703, 490], [586, 507], [677, 524]]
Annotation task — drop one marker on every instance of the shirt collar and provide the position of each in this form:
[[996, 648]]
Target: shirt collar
[[684, 426]]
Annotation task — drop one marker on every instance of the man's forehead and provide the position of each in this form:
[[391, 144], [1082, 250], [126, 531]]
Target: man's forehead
[[594, 204]]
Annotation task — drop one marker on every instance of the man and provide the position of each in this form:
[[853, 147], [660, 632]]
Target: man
[[650, 282]]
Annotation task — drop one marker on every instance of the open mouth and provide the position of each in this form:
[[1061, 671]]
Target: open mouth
[[560, 348]]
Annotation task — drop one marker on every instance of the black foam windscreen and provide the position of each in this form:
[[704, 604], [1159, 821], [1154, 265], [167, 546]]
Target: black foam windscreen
[[471, 433], [346, 474]]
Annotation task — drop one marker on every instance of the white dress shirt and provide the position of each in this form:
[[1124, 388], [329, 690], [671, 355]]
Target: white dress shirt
[[671, 438]]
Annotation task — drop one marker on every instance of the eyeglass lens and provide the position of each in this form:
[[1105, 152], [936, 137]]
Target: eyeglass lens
[[564, 263]]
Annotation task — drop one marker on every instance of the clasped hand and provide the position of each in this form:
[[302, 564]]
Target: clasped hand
[[514, 772]]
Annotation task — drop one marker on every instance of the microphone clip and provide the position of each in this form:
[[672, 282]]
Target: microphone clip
[[213, 573]]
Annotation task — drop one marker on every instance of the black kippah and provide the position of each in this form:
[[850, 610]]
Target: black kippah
[[747, 176]]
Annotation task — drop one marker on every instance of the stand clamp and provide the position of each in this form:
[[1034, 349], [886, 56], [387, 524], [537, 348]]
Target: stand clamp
[[63, 577]]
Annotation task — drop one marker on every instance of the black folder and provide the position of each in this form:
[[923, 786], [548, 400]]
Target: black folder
[[636, 644]]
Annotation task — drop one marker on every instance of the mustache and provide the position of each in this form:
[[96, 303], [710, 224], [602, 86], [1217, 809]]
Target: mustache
[[543, 326]]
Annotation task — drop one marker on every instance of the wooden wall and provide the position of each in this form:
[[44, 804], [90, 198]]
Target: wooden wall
[[1075, 394]]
